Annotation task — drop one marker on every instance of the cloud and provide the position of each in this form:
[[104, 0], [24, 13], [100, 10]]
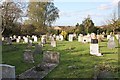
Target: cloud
[[104, 7]]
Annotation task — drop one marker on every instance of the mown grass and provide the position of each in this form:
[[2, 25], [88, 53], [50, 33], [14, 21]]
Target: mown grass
[[71, 54]]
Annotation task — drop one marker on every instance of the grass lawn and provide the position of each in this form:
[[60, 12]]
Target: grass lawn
[[71, 54]]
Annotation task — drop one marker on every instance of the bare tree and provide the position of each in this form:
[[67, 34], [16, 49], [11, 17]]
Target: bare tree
[[113, 22], [10, 14]]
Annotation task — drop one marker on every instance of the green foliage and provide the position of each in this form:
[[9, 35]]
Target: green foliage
[[88, 24], [64, 33], [28, 30], [42, 14]]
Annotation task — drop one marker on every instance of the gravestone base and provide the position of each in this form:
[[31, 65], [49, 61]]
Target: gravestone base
[[38, 72]]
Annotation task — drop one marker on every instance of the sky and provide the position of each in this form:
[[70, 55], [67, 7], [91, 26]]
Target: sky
[[72, 12], [75, 11]]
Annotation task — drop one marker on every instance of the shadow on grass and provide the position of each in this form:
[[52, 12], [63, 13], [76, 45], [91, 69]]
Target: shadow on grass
[[108, 53]]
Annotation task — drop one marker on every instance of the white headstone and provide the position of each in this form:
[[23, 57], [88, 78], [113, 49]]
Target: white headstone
[[61, 37], [35, 38], [19, 37], [57, 38], [7, 71], [108, 36], [14, 36], [94, 50], [71, 37], [17, 40], [3, 38], [26, 40], [80, 38], [85, 39], [53, 42]]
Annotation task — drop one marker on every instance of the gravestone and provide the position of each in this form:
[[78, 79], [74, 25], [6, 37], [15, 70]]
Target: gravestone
[[25, 40], [111, 43], [9, 41], [28, 56], [7, 71], [38, 49], [51, 57], [57, 38], [85, 39], [80, 38], [3, 38], [30, 43], [43, 39], [14, 37], [35, 38], [70, 37], [50, 61], [17, 40], [94, 47], [61, 37], [53, 42], [19, 37], [108, 36]]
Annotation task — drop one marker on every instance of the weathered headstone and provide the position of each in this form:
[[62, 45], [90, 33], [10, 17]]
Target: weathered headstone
[[9, 41], [38, 49], [111, 43], [43, 39], [7, 71], [51, 57], [28, 56], [53, 42], [30, 43]]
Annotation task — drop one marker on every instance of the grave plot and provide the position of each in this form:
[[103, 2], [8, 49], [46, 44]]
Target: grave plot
[[50, 61]]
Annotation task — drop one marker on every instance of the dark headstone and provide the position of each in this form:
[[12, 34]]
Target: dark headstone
[[51, 57], [28, 56], [38, 49]]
